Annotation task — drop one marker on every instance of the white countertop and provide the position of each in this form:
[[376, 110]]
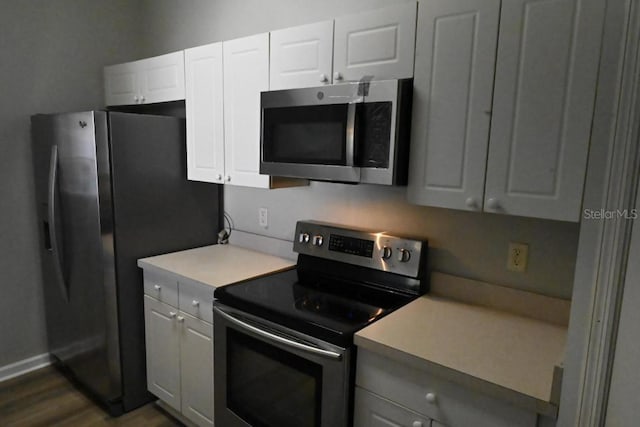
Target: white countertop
[[497, 352], [217, 265]]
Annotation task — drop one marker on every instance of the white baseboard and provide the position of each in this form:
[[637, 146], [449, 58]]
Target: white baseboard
[[24, 366]]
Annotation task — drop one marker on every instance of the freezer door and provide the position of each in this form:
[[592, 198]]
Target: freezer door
[[77, 236]]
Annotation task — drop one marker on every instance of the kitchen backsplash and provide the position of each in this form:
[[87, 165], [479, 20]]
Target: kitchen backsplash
[[466, 244]]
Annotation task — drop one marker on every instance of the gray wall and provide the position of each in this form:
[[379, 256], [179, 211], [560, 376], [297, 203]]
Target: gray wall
[[466, 244], [53, 52]]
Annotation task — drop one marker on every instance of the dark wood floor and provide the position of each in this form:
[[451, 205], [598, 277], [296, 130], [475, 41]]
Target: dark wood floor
[[45, 398]]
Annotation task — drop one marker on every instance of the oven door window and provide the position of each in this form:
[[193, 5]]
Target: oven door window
[[270, 387], [307, 135]]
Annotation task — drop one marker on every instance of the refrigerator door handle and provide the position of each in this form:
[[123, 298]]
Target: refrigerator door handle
[[55, 249]]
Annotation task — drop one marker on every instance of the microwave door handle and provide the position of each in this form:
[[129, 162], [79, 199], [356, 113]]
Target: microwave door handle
[[277, 338], [351, 134]]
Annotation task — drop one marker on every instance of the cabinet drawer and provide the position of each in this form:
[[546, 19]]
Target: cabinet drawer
[[442, 400], [196, 300], [372, 410], [162, 287]]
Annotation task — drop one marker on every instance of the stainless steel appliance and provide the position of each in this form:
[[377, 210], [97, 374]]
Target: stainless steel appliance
[[110, 188], [351, 132], [283, 343]]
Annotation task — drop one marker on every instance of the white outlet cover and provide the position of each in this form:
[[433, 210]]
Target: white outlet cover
[[263, 217], [518, 257]]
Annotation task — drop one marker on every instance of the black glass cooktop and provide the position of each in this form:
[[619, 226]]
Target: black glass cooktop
[[329, 309]]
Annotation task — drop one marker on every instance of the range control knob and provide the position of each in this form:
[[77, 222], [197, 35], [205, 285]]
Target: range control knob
[[304, 238], [318, 240], [404, 255], [386, 252]]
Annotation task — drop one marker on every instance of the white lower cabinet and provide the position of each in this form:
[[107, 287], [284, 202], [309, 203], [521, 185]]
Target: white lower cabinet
[[389, 393], [374, 411], [180, 353], [196, 370], [163, 351]]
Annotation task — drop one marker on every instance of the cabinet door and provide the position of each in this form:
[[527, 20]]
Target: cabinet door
[[162, 78], [301, 56], [453, 87], [246, 74], [542, 109], [204, 108], [196, 356], [371, 410], [163, 351], [379, 43], [121, 84]]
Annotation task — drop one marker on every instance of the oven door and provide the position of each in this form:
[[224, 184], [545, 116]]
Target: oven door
[[267, 375]]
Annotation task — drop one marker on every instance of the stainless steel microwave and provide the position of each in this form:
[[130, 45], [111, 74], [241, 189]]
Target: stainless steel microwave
[[349, 132]]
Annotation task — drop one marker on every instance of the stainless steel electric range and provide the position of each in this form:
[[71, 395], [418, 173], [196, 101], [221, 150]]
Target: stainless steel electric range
[[283, 343]]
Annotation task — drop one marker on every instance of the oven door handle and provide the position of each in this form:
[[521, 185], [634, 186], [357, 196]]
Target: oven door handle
[[277, 338]]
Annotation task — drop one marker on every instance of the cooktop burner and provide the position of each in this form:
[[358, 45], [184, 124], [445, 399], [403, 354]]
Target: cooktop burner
[[283, 299], [344, 280], [338, 308]]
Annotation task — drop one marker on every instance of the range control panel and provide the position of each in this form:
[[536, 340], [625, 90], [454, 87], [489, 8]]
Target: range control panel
[[377, 250]]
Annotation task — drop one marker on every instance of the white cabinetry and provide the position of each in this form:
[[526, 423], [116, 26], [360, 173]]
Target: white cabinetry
[[196, 370], [301, 56], [246, 74], [151, 80], [544, 92], [453, 89], [396, 394], [205, 117], [163, 351], [179, 344], [223, 85], [379, 43], [373, 411], [537, 101]]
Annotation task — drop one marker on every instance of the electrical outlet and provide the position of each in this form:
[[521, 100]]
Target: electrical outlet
[[517, 258], [263, 217]]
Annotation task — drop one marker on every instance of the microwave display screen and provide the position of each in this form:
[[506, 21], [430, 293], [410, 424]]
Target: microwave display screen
[[307, 134], [351, 245]]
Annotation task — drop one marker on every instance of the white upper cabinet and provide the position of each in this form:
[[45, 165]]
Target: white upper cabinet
[[378, 43], [205, 117], [301, 56], [532, 160], [453, 87], [151, 80], [543, 105], [162, 78], [246, 74], [121, 84]]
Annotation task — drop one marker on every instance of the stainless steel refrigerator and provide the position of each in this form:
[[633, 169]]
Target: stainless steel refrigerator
[[111, 188]]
